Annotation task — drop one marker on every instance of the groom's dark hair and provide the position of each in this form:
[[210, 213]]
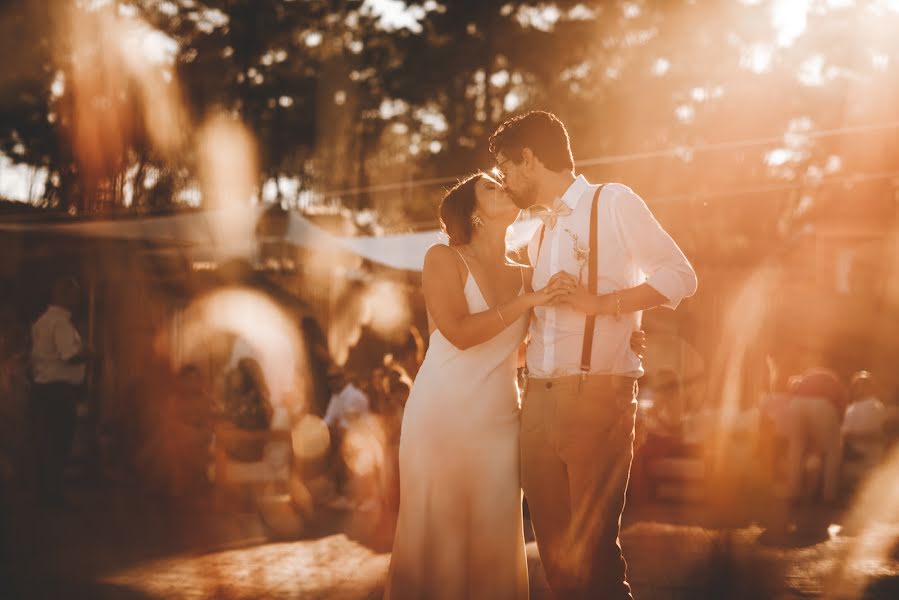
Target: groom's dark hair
[[540, 131]]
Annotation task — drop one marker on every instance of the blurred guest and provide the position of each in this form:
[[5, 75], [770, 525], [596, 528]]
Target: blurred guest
[[665, 420], [863, 431], [662, 431], [347, 406], [247, 405], [775, 428], [192, 409], [58, 369], [347, 401], [865, 414], [397, 369], [398, 386], [816, 409], [376, 389], [318, 357]]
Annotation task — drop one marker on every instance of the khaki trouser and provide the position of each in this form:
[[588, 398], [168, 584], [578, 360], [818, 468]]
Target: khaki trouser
[[577, 439]]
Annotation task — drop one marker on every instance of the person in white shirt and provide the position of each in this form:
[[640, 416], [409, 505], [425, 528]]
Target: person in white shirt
[[866, 414], [58, 369], [577, 422], [863, 429], [347, 402]]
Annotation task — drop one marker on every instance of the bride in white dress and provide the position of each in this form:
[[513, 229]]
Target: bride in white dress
[[460, 533]]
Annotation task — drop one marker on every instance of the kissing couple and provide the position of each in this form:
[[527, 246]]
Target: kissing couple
[[466, 448]]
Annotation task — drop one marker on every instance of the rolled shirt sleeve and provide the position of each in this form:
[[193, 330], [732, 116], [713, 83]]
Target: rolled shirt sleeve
[[666, 268]]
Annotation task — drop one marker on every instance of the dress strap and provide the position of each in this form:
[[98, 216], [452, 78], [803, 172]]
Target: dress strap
[[465, 262]]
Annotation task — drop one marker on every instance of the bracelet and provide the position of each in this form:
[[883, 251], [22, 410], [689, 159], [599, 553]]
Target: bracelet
[[617, 306], [500, 313]]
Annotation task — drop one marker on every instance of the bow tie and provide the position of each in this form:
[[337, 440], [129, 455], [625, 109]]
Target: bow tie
[[550, 216]]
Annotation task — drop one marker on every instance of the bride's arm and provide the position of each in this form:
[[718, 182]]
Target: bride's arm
[[445, 298]]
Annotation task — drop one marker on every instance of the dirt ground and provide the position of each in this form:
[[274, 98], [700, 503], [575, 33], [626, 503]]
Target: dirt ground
[[113, 544]]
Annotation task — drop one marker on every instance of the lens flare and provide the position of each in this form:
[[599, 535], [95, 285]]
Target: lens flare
[[749, 308], [112, 97], [228, 176], [311, 439], [363, 446], [874, 517], [388, 309], [264, 331]]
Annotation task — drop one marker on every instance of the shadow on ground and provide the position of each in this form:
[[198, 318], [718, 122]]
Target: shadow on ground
[[116, 546]]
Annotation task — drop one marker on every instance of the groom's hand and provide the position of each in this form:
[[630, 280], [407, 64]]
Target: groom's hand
[[573, 295], [638, 342]]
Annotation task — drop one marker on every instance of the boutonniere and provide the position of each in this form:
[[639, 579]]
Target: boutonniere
[[581, 253]]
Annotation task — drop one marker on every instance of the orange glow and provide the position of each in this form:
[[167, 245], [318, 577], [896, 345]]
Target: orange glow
[[874, 521], [228, 174], [311, 439], [114, 96]]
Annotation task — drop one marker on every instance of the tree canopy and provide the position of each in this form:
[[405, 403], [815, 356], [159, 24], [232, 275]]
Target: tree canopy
[[347, 98]]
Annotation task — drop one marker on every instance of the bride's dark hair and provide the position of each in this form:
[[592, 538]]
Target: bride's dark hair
[[457, 208]]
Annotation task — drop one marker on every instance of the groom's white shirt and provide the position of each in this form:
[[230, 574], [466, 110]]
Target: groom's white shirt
[[632, 249]]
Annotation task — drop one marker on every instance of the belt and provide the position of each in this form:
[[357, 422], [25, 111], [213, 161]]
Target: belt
[[610, 381]]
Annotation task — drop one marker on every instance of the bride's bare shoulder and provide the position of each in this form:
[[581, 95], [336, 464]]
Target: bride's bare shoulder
[[438, 252], [441, 261], [441, 257]]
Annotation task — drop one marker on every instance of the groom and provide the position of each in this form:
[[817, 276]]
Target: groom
[[577, 421]]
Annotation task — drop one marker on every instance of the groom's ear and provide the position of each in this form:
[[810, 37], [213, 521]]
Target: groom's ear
[[529, 159]]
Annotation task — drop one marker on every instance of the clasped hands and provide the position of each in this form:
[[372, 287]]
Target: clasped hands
[[564, 289]]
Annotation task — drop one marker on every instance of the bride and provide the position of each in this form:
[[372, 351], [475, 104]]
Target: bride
[[460, 533]]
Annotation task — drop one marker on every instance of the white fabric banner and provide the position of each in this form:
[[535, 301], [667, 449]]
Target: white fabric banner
[[231, 233]]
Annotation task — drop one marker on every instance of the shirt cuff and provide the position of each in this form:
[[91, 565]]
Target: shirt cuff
[[674, 286]]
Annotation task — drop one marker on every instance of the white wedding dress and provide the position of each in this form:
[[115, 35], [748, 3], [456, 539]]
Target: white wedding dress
[[460, 533]]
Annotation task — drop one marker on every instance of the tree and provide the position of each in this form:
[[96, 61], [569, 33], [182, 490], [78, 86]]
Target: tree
[[340, 99]]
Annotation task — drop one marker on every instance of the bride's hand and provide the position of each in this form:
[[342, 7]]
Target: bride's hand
[[546, 295]]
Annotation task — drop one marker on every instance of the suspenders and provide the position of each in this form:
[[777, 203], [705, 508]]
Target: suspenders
[[592, 276]]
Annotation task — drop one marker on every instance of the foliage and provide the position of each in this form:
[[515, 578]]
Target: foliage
[[341, 96]]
